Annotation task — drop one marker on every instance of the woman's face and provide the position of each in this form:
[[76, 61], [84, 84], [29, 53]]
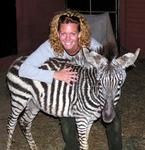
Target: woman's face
[[69, 37]]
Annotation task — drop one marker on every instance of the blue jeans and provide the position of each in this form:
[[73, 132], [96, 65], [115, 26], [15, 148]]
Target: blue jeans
[[113, 132], [69, 133]]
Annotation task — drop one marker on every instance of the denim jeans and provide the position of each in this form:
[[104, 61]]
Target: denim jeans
[[69, 133], [113, 132]]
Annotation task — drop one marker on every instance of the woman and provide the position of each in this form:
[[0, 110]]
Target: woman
[[69, 33]]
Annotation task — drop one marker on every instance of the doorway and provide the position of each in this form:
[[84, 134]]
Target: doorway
[[8, 42]]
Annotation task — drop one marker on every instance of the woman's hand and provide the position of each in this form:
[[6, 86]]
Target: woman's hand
[[66, 75]]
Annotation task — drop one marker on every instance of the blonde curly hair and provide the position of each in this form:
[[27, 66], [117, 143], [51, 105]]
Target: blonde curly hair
[[75, 17]]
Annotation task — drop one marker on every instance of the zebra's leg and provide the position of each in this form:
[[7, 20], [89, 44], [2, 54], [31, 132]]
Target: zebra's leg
[[25, 122], [83, 126], [16, 110]]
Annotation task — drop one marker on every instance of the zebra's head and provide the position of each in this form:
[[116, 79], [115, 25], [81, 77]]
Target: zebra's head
[[110, 78]]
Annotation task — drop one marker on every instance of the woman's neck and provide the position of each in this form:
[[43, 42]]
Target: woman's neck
[[73, 52]]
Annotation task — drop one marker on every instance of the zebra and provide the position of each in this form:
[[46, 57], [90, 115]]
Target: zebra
[[94, 96]]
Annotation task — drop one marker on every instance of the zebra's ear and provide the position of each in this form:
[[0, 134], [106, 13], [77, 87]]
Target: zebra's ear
[[94, 58], [128, 59]]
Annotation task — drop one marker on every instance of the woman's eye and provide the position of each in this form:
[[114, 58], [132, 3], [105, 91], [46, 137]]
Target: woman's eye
[[62, 34], [73, 34]]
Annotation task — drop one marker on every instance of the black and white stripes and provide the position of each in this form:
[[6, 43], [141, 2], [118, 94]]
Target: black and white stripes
[[96, 93]]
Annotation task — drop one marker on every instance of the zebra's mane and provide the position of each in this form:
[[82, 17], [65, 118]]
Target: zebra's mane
[[109, 51], [55, 63]]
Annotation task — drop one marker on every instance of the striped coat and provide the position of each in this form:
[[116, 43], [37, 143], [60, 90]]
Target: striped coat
[[94, 95]]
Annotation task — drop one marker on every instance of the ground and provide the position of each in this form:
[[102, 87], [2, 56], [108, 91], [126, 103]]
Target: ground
[[46, 130]]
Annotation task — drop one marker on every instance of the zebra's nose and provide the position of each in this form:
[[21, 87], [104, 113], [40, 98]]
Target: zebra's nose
[[108, 113]]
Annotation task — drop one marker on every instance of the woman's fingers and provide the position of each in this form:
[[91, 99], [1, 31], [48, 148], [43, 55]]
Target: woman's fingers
[[66, 75]]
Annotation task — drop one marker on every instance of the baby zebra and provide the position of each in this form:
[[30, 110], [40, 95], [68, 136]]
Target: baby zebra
[[94, 95]]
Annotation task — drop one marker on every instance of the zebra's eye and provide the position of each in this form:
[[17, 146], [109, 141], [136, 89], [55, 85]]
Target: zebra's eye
[[120, 82], [99, 83]]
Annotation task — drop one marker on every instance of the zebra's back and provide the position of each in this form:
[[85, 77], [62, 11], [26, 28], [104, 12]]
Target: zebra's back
[[56, 99]]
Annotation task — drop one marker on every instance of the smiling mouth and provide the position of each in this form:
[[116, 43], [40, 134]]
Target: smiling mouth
[[68, 44]]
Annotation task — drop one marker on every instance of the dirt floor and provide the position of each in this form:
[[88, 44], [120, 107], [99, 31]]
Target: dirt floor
[[46, 130]]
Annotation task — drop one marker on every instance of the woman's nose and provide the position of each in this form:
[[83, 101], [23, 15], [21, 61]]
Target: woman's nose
[[67, 37]]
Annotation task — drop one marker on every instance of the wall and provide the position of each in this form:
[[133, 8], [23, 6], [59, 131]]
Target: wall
[[132, 25], [33, 18]]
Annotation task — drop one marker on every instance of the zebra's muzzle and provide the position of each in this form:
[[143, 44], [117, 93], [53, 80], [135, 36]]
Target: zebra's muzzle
[[108, 113]]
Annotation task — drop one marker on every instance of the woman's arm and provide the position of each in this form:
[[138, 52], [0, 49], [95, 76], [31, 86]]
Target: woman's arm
[[30, 67]]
